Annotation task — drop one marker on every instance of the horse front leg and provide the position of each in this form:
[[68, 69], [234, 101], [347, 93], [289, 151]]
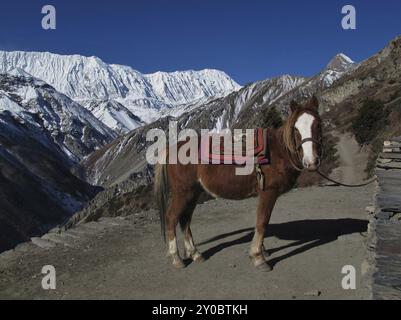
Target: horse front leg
[[267, 200]]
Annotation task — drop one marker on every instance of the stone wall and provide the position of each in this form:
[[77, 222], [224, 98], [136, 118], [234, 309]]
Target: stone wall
[[386, 224]]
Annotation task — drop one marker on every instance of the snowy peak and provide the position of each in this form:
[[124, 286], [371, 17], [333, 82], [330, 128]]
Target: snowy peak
[[83, 78], [197, 85], [336, 68], [119, 96], [340, 63]]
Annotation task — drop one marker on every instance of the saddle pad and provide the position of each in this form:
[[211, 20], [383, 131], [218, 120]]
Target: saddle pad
[[237, 152]]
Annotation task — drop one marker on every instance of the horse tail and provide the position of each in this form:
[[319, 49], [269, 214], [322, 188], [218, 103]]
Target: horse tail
[[161, 191]]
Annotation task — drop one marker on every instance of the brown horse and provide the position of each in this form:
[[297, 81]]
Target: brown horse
[[294, 146]]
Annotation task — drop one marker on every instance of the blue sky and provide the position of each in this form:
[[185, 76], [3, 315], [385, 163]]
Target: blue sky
[[250, 40]]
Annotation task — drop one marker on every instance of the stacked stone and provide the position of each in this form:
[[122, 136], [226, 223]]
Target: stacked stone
[[390, 158], [387, 223]]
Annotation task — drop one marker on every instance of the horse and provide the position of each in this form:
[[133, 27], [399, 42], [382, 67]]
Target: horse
[[294, 147]]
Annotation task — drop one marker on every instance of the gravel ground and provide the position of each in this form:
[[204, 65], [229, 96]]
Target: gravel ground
[[314, 232]]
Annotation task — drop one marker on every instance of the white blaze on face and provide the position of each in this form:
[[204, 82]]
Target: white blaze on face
[[304, 126]]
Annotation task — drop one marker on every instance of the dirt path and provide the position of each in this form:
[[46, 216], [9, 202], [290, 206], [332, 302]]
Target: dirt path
[[352, 160], [313, 234]]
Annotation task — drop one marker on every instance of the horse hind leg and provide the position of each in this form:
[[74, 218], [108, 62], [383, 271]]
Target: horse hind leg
[[191, 251], [172, 215]]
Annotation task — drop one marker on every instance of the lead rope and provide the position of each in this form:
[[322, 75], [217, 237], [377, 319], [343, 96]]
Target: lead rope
[[344, 184], [322, 174]]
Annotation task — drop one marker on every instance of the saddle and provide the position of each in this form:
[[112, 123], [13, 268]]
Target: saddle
[[237, 151]]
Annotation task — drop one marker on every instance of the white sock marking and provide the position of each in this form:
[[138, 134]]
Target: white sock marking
[[172, 246]]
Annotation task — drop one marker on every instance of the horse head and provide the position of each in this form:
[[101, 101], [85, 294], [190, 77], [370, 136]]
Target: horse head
[[303, 134]]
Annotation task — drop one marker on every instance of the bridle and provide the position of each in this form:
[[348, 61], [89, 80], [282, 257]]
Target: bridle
[[298, 147]]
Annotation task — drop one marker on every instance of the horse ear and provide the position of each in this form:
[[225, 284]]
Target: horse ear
[[294, 105], [314, 103]]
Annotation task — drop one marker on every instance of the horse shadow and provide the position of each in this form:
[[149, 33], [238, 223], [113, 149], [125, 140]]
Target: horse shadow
[[305, 234]]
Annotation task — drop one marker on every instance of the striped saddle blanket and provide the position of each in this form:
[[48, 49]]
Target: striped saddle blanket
[[214, 150]]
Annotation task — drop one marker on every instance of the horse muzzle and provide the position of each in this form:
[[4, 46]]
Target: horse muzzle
[[311, 166]]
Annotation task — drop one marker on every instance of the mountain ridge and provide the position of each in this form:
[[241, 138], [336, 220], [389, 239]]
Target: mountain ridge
[[88, 80]]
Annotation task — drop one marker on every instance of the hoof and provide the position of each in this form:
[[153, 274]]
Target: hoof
[[264, 267], [198, 257], [260, 263], [179, 264]]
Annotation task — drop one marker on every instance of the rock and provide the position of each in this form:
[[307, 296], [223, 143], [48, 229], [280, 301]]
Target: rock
[[384, 161], [390, 150], [60, 238], [313, 293], [383, 215], [394, 156], [392, 144], [370, 209], [42, 243], [396, 216], [95, 226], [390, 165], [25, 247]]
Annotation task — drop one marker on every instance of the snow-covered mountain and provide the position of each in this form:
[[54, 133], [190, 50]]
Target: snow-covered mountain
[[336, 68], [52, 118], [339, 66], [135, 98]]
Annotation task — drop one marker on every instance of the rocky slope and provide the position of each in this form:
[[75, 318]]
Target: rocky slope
[[378, 77], [43, 135]]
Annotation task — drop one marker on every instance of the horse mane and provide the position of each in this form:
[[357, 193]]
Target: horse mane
[[288, 133]]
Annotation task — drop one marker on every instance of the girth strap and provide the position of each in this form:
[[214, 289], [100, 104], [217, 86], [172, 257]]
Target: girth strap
[[260, 177]]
